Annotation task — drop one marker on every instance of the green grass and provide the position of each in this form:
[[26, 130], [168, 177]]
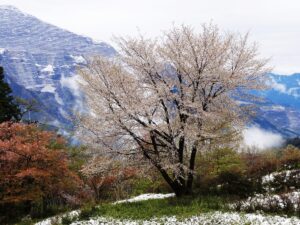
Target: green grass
[[144, 210]]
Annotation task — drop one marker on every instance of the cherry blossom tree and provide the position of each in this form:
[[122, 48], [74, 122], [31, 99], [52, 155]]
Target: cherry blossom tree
[[170, 97]]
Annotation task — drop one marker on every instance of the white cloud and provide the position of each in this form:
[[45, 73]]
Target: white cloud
[[261, 139], [279, 87], [72, 83]]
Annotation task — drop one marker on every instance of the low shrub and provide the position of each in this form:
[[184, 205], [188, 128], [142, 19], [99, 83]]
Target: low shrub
[[283, 181], [67, 220], [227, 172], [222, 171], [87, 212], [284, 203], [290, 158]]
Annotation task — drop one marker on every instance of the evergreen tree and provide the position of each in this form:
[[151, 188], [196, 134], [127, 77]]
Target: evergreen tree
[[9, 110]]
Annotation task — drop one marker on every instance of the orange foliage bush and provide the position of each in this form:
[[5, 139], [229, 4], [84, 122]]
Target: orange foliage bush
[[33, 165]]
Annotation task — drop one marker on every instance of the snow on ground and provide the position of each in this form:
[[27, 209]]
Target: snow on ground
[[269, 178], [230, 218], [58, 219], [269, 202], [286, 174], [144, 197], [212, 218]]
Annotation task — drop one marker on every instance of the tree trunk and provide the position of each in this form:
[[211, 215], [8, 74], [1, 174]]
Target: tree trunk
[[177, 186], [179, 189], [181, 179], [189, 188]]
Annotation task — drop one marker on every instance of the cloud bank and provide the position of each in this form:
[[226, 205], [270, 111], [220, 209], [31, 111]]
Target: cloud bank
[[255, 137]]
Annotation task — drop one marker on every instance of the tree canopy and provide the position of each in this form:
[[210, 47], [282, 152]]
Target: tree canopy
[[170, 97]]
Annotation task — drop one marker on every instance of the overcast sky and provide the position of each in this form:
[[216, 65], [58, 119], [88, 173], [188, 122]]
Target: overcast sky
[[274, 24]]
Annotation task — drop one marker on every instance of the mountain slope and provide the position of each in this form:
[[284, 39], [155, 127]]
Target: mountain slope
[[40, 62], [280, 111]]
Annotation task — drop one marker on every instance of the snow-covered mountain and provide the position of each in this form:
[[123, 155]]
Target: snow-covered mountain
[[280, 112], [40, 62]]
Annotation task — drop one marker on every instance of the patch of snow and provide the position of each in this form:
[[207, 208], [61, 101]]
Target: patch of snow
[[35, 86], [48, 69], [64, 113], [78, 59], [58, 99], [269, 178], [2, 50], [243, 102], [55, 123], [278, 108], [144, 197], [48, 88]]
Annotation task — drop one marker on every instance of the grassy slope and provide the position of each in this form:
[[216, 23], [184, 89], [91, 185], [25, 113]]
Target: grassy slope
[[181, 208], [144, 210]]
